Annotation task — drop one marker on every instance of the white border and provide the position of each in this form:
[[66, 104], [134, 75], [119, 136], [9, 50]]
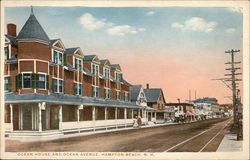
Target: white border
[[210, 155]]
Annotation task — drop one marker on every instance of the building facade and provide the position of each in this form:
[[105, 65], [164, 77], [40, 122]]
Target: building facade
[[54, 90]]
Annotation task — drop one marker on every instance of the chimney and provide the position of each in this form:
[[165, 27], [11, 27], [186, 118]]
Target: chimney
[[147, 86], [11, 30]]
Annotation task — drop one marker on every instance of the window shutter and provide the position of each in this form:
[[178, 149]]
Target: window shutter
[[36, 80], [33, 80], [104, 93], [64, 59], [75, 88], [19, 81], [9, 85], [47, 82], [53, 85], [63, 87], [83, 90]]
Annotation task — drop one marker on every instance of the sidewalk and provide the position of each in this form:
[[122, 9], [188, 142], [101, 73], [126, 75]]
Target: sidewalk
[[230, 144]]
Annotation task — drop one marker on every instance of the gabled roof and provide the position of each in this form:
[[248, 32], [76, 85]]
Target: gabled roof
[[33, 30], [135, 91], [89, 57], [53, 42], [104, 62], [10, 38], [153, 94], [125, 82], [115, 66]]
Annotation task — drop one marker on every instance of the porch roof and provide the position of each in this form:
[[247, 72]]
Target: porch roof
[[67, 100]]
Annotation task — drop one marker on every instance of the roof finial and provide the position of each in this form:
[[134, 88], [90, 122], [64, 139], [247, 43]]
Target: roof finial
[[31, 9]]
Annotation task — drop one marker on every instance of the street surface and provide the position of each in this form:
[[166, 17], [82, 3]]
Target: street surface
[[202, 136]]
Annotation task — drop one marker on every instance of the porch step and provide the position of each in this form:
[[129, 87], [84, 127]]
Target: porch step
[[33, 136]]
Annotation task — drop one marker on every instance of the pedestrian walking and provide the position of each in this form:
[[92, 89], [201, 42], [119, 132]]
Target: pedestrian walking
[[139, 122]]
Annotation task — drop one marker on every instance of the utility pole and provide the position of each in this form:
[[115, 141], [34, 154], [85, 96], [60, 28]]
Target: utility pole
[[233, 80]]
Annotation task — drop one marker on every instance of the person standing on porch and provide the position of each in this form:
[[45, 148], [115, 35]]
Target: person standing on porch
[[135, 124], [139, 122]]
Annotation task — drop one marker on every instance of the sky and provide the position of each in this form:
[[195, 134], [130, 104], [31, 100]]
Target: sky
[[174, 48]]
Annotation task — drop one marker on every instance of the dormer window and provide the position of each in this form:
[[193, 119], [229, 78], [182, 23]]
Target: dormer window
[[118, 76], [57, 57], [106, 72], [78, 64], [95, 69]]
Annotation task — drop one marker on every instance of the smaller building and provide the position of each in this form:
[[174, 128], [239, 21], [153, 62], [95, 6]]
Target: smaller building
[[183, 111], [139, 98], [155, 99]]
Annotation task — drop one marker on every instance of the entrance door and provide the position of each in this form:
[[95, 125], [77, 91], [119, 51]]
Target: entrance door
[[54, 117], [149, 116], [27, 117]]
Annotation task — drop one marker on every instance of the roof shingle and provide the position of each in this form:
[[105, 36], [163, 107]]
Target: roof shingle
[[33, 30]]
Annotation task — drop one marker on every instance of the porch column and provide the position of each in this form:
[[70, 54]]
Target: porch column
[[11, 117], [77, 114], [125, 116], [93, 116], [132, 113], [105, 111], [60, 117], [40, 105], [116, 117]]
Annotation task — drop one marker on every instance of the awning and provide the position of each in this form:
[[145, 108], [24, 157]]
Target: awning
[[67, 100]]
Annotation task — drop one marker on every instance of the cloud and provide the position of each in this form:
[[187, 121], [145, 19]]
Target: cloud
[[195, 24], [150, 13], [235, 9], [122, 30], [230, 30], [89, 22]]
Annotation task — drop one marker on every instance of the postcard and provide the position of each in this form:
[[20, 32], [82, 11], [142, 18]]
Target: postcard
[[125, 80]]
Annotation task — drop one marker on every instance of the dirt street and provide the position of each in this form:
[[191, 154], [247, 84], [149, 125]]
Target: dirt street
[[156, 139]]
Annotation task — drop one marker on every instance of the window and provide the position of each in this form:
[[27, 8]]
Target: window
[[58, 57], [78, 88], [26, 80], [58, 86], [6, 52], [6, 83], [41, 81], [118, 76], [95, 69], [95, 91], [106, 93], [118, 95], [106, 72], [126, 96], [78, 64]]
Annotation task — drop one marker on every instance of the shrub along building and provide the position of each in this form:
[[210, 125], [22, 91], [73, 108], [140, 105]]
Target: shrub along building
[[54, 90]]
